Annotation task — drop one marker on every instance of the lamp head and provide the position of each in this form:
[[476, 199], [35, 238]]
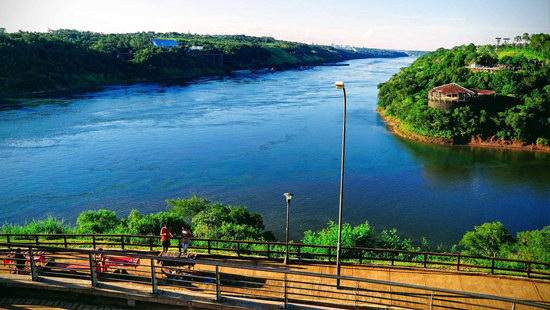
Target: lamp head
[[339, 85], [288, 196]]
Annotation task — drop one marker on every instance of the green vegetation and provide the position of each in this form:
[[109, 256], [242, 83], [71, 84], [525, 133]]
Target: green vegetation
[[216, 221], [66, 59], [520, 113]]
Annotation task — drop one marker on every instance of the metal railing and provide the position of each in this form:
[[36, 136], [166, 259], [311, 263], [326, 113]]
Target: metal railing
[[222, 280], [299, 251]]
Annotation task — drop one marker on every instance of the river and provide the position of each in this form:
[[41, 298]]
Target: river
[[247, 140]]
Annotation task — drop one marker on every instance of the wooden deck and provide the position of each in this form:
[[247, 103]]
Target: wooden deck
[[201, 293]]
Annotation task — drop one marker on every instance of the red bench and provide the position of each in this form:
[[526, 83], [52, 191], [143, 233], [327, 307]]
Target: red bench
[[72, 268], [118, 261]]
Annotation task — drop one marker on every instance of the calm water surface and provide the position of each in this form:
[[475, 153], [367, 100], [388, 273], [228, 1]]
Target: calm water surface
[[248, 140]]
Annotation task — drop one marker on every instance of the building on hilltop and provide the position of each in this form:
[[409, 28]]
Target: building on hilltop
[[451, 96], [164, 43]]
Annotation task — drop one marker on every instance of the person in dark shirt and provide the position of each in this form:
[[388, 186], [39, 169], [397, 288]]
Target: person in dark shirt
[[19, 261]]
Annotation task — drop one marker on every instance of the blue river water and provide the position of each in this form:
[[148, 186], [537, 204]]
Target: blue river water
[[247, 140]]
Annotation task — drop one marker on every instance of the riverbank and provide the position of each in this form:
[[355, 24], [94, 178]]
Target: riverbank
[[112, 59], [397, 128]]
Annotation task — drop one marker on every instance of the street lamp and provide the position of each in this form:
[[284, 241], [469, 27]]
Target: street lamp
[[288, 197], [340, 85]]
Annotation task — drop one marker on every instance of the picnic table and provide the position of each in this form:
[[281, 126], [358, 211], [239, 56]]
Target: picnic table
[[186, 259], [102, 265], [9, 260]]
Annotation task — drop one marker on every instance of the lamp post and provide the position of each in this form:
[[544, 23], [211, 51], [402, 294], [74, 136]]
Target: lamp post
[[340, 85], [288, 197]]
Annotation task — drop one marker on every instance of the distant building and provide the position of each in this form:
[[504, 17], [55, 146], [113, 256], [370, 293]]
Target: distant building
[[164, 43], [196, 48], [475, 67], [451, 96]]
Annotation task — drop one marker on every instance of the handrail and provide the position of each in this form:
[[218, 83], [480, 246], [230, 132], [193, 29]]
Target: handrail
[[276, 249], [477, 297]]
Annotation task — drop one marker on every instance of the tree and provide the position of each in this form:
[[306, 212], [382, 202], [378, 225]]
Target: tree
[[230, 223], [489, 239], [525, 38], [187, 208], [535, 245], [97, 222], [517, 39], [152, 223]]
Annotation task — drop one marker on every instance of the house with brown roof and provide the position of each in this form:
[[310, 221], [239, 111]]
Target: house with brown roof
[[451, 96]]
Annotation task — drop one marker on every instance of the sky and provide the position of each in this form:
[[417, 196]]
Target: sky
[[389, 24]]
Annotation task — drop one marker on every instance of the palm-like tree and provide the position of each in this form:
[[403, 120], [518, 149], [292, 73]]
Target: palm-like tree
[[525, 39], [517, 39]]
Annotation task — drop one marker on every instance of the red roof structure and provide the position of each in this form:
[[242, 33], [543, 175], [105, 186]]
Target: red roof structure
[[452, 95], [454, 89]]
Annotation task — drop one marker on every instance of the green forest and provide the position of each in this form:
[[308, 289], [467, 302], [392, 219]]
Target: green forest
[[520, 113], [218, 221], [32, 62]]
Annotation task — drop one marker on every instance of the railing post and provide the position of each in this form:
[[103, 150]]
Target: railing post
[[219, 297], [432, 301], [93, 241], [392, 258], [34, 274], [8, 240], [154, 277], [65, 241], [493, 265], [458, 264], [269, 250], [208, 246], [36, 239], [425, 259], [528, 270], [179, 244], [329, 254], [285, 304], [238, 248], [151, 243], [122, 241], [93, 273], [514, 306], [298, 251]]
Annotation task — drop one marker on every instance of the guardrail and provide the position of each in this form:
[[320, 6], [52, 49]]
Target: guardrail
[[300, 251], [222, 280]]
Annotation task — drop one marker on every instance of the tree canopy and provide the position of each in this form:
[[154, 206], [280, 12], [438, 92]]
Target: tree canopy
[[522, 108], [61, 59]]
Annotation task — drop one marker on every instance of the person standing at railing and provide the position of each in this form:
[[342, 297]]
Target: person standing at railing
[[165, 235], [185, 237]]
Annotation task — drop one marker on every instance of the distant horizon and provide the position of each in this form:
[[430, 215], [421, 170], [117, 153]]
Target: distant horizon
[[423, 25]]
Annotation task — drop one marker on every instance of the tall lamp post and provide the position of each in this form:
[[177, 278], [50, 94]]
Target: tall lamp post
[[340, 85], [288, 197]]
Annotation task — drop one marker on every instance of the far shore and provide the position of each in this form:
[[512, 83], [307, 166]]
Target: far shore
[[492, 142]]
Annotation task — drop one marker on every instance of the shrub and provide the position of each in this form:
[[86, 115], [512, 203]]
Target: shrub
[[96, 222]]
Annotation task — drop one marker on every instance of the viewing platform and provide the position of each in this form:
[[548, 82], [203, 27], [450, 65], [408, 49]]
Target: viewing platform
[[142, 279]]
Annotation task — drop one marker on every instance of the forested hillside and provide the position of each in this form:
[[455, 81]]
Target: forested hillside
[[520, 113], [61, 59]]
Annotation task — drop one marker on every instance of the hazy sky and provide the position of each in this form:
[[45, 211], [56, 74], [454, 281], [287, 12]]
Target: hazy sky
[[393, 24]]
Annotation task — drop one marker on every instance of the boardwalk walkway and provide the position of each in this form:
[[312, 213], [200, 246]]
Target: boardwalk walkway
[[140, 296]]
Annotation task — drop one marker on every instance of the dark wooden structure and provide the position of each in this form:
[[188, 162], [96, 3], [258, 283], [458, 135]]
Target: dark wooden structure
[[451, 96]]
